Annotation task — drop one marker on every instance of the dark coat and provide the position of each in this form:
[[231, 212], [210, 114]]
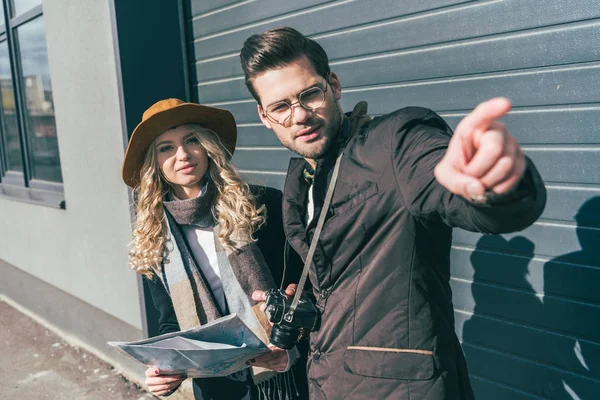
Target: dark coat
[[381, 271], [271, 241]]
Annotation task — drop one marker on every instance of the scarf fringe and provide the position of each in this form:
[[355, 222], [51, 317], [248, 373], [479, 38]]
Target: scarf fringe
[[279, 387]]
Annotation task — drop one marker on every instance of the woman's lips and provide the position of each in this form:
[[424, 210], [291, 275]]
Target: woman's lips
[[186, 170]]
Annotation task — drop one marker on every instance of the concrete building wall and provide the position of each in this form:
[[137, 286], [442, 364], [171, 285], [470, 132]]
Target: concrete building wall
[[96, 222], [70, 266]]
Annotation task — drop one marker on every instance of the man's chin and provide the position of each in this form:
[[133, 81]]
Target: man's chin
[[311, 153]]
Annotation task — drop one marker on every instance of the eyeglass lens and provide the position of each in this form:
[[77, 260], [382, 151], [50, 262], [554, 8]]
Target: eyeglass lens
[[310, 99]]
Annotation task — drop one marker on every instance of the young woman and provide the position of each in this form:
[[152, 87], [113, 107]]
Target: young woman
[[205, 240]]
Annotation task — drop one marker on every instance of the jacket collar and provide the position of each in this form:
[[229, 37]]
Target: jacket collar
[[294, 205]]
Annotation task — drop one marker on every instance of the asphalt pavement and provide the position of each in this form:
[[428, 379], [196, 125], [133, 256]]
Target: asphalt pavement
[[37, 364]]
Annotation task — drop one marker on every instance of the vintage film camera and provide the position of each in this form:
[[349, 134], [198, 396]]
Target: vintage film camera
[[286, 333]]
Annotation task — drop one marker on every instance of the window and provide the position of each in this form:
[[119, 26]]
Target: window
[[29, 156]]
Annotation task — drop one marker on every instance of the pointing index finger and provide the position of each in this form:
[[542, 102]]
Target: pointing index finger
[[483, 115]]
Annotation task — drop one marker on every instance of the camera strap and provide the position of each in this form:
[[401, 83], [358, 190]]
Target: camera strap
[[313, 244]]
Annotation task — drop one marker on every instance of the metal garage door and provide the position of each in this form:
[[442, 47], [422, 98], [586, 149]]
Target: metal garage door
[[528, 304]]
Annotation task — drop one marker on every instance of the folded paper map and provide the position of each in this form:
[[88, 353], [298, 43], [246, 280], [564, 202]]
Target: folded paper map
[[218, 348]]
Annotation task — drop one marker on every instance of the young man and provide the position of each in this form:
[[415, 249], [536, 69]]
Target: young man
[[381, 271]]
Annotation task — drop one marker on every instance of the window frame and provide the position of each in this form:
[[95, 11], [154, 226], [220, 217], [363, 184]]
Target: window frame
[[17, 185]]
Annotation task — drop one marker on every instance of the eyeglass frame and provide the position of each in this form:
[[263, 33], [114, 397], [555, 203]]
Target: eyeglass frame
[[294, 104]]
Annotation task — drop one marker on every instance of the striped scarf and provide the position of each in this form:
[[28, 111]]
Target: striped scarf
[[241, 272]]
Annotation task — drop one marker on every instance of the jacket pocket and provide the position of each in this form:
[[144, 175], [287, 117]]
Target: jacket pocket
[[352, 197], [391, 363]]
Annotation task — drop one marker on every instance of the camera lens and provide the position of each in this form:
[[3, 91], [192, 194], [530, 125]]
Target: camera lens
[[284, 337]]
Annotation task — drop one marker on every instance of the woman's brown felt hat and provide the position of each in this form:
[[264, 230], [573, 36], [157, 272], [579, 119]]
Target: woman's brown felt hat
[[167, 114]]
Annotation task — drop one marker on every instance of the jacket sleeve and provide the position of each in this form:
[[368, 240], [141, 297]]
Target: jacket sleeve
[[419, 141], [167, 320]]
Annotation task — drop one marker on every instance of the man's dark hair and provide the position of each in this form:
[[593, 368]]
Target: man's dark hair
[[277, 48]]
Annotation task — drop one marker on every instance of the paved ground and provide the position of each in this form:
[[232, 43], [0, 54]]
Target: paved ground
[[37, 364]]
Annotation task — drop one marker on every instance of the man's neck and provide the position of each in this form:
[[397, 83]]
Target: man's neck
[[311, 162]]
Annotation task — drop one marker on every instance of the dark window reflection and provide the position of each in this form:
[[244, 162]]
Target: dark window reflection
[[20, 6], [41, 127], [8, 117]]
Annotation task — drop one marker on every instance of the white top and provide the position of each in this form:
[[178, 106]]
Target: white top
[[310, 206], [202, 246]]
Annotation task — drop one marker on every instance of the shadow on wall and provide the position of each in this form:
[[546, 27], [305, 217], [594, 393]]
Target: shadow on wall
[[543, 341], [572, 298]]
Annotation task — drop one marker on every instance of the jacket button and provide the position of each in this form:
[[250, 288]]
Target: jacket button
[[316, 354], [325, 293]]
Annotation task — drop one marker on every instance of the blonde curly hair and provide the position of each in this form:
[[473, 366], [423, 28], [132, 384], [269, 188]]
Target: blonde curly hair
[[234, 207]]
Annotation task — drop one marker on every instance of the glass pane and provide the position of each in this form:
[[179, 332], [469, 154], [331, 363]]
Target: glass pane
[[20, 6], [41, 127], [8, 115]]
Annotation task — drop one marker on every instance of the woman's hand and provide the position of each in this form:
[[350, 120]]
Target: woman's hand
[[161, 384], [276, 359]]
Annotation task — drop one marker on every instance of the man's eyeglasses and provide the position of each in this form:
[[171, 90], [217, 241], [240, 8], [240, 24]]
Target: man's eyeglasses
[[310, 99]]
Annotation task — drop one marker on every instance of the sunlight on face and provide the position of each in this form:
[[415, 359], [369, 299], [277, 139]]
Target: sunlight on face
[[307, 133], [182, 160]]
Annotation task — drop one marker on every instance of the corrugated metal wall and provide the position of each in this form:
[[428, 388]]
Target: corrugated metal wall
[[528, 304]]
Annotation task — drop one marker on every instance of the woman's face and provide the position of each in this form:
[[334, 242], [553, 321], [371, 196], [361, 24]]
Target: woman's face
[[183, 161]]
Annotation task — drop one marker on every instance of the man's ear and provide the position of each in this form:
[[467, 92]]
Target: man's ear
[[264, 119], [336, 85]]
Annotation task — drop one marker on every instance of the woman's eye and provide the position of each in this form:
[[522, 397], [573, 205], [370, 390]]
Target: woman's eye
[[164, 149], [192, 140]]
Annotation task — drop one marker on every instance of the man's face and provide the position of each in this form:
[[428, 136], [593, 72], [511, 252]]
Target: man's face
[[307, 133]]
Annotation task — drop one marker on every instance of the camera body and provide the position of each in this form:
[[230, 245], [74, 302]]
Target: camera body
[[286, 333]]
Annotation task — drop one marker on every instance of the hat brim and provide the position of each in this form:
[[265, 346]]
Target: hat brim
[[216, 119]]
